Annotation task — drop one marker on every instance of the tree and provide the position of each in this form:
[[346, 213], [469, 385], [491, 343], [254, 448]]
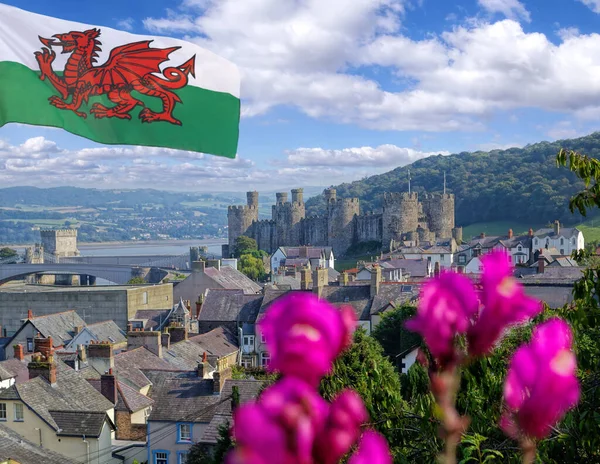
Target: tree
[[198, 455], [391, 334], [252, 267], [136, 281], [244, 245], [8, 255]]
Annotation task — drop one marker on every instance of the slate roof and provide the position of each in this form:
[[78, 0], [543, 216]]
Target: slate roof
[[554, 296], [181, 396], [107, 331], [311, 252], [218, 342], [231, 278], [392, 294], [128, 365], [567, 232], [15, 447], [152, 318], [9, 393], [128, 399], [70, 393], [5, 375], [415, 267], [184, 355], [17, 369], [80, 423], [228, 305], [248, 390], [359, 297], [59, 326]]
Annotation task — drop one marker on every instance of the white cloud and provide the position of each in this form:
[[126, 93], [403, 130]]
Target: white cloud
[[563, 130], [512, 9], [594, 5], [310, 55], [566, 33], [382, 156], [40, 162], [126, 24]]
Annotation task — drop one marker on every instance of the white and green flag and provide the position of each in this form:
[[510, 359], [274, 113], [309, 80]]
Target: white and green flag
[[115, 87]]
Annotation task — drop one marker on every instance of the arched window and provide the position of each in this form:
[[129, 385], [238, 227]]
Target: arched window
[[562, 241]]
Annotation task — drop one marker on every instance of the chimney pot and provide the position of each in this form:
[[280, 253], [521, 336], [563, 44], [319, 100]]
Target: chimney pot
[[482, 235], [510, 233], [29, 314], [108, 386], [19, 352]]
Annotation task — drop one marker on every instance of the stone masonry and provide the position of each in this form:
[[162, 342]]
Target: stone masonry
[[403, 217], [60, 243]]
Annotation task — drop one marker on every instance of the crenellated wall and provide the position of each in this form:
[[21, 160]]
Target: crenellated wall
[[340, 223], [314, 231], [400, 215], [368, 227], [439, 210], [264, 232]]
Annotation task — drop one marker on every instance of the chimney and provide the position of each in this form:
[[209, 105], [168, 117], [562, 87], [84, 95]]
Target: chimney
[[198, 266], [510, 233], [82, 353], [78, 329], [203, 367], [556, 227], [319, 280], [42, 345], [150, 340], [101, 357], [130, 327], [375, 280], [216, 263], [343, 279], [219, 378], [305, 279], [541, 263], [530, 232], [178, 334], [108, 386], [42, 366], [482, 235], [165, 340], [29, 314], [19, 352]]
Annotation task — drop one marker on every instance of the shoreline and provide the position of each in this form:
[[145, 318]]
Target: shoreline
[[124, 244]]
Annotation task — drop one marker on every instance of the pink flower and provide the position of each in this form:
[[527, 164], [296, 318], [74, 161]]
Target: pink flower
[[372, 449], [504, 304], [284, 422], [304, 335], [346, 415], [447, 304], [541, 385]]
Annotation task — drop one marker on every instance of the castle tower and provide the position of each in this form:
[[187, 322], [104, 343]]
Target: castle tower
[[439, 209], [340, 221], [282, 216], [400, 216], [240, 219], [60, 243], [457, 234], [298, 212], [330, 195]]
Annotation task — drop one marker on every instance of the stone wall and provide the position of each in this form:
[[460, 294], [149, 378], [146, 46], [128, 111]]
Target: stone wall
[[340, 224], [439, 210], [368, 227], [314, 231], [400, 215], [62, 243], [264, 232], [126, 430]]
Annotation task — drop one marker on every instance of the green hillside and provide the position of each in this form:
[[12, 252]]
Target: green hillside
[[519, 186]]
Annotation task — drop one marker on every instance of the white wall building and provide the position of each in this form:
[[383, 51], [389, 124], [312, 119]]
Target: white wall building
[[564, 239]]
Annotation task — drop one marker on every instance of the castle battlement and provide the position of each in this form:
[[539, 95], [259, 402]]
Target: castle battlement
[[241, 208], [59, 232], [393, 197], [439, 196]]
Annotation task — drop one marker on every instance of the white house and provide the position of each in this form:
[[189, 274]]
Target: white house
[[310, 256], [564, 239], [474, 266]]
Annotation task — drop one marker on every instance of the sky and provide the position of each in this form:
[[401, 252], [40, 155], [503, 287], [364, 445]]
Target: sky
[[336, 90]]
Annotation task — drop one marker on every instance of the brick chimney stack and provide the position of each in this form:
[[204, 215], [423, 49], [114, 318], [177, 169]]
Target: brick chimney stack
[[42, 345], [108, 386], [178, 334], [29, 314], [305, 279], [375, 280], [219, 378], [42, 366], [19, 352], [510, 233], [541, 263], [482, 235], [319, 280]]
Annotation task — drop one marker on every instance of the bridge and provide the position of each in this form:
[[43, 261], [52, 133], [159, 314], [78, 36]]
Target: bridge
[[116, 274]]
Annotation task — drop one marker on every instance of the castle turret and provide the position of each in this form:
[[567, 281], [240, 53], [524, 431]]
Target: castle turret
[[61, 243], [457, 234], [298, 212], [330, 195], [240, 219], [400, 215], [282, 197], [340, 223], [439, 209]]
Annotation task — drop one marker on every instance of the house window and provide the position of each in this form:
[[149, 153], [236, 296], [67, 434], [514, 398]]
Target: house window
[[265, 359], [30, 345], [247, 363], [249, 340], [562, 251], [462, 259], [441, 257], [535, 241], [145, 298], [161, 457], [562, 241], [2, 411], [182, 457], [19, 412], [184, 433], [262, 339], [519, 248]]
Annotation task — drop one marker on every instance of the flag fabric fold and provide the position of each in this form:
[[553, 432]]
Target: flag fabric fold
[[114, 87]]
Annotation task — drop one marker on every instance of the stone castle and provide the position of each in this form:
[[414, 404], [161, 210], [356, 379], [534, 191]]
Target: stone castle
[[403, 218], [61, 243]]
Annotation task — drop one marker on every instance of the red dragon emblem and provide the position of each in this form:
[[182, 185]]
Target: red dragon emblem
[[130, 67]]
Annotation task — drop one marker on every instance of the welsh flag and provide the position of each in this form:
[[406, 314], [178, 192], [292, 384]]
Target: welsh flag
[[114, 87]]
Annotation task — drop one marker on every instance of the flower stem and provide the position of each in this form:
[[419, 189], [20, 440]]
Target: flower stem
[[529, 451]]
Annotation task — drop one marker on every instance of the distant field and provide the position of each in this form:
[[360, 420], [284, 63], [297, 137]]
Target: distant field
[[45, 222]]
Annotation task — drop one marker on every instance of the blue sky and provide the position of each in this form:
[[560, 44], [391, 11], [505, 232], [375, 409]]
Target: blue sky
[[333, 91]]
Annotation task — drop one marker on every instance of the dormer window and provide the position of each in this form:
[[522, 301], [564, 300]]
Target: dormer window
[[562, 241], [520, 248]]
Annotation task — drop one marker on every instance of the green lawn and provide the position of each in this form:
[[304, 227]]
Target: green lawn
[[497, 228], [349, 263]]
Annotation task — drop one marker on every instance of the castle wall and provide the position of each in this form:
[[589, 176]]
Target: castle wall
[[265, 235], [314, 231], [400, 215], [340, 224], [368, 227], [239, 221]]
